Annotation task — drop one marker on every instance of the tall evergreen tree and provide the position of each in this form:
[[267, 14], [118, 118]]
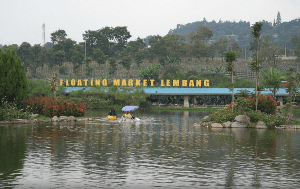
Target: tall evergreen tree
[[278, 21], [13, 81]]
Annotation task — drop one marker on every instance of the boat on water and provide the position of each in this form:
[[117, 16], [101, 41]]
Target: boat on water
[[127, 117], [129, 113], [112, 115]]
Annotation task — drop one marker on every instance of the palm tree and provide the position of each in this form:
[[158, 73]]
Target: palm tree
[[272, 80]]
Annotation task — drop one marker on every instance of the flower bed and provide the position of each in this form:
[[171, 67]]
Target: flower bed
[[49, 106]]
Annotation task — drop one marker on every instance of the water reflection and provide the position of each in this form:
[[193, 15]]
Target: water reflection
[[12, 153], [168, 152]]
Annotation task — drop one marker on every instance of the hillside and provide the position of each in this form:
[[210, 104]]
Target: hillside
[[281, 33]]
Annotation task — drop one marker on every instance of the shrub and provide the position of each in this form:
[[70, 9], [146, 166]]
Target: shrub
[[9, 111], [38, 87], [223, 115], [265, 104], [270, 120], [49, 106]]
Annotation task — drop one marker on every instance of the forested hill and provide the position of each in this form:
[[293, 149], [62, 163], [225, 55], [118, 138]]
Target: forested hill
[[281, 33]]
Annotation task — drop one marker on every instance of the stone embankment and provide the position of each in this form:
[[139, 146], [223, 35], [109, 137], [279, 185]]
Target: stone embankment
[[33, 120]]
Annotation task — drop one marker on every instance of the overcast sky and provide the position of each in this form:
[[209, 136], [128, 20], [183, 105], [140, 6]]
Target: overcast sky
[[22, 20]]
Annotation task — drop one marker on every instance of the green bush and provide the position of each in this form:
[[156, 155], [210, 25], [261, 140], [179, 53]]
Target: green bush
[[38, 87], [225, 114], [9, 111], [270, 120]]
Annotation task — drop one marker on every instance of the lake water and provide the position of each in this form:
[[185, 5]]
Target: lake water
[[167, 152]]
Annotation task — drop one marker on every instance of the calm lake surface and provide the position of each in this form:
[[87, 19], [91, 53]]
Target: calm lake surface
[[167, 152]]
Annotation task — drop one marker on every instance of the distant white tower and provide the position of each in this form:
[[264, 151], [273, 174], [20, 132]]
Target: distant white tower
[[44, 35]]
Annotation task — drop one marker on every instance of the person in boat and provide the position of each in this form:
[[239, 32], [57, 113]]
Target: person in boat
[[132, 115], [112, 112], [129, 115]]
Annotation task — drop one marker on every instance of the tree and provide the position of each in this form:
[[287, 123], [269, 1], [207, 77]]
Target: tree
[[137, 45], [235, 47], [293, 81], [36, 52], [268, 50], [272, 80], [278, 21], [204, 33], [77, 54], [150, 72], [13, 81], [158, 47], [174, 47], [120, 37], [230, 58], [126, 60], [211, 51], [137, 48], [221, 46], [58, 36], [25, 54], [112, 65], [99, 56], [58, 57], [111, 41], [256, 28]]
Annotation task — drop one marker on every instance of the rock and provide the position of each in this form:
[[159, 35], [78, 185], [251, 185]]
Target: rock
[[242, 118], [206, 118], [63, 118], [216, 125], [206, 124], [55, 119], [19, 121], [261, 125], [239, 125], [197, 125], [72, 118], [227, 124], [90, 119], [34, 116], [288, 127], [26, 121]]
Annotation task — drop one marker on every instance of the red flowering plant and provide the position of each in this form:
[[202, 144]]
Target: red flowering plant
[[49, 106], [265, 104]]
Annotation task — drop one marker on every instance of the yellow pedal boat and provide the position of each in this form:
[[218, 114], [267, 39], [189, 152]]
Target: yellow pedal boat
[[112, 117]]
